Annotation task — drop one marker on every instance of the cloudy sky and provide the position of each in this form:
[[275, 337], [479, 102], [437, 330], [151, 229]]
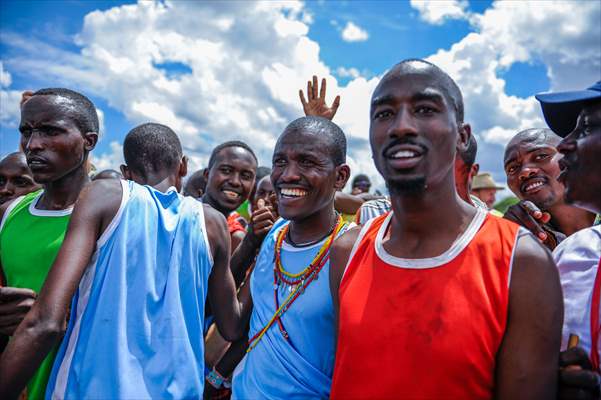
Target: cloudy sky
[[216, 71]]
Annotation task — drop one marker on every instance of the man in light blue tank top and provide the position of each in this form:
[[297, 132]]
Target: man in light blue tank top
[[293, 356], [138, 262]]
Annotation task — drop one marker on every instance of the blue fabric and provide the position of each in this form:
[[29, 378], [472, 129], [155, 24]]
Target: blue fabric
[[136, 327], [276, 369]]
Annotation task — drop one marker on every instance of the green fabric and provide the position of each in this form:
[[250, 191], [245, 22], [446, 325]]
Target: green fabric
[[28, 246]]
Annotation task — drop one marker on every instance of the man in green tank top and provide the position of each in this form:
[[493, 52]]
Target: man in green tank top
[[59, 127]]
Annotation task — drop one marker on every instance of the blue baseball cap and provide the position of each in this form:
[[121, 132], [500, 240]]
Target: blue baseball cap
[[561, 109]]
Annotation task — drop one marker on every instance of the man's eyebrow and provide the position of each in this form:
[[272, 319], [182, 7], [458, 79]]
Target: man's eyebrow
[[380, 100], [428, 96]]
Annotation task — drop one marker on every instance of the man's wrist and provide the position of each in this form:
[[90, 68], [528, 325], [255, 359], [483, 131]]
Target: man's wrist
[[215, 379]]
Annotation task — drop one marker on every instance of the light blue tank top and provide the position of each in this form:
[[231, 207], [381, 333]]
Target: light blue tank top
[[136, 325], [276, 369]]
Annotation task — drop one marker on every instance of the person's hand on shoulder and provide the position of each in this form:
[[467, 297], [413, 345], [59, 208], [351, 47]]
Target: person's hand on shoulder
[[577, 380], [316, 104], [528, 215]]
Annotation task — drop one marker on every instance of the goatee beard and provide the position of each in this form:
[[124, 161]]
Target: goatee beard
[[407, 186]]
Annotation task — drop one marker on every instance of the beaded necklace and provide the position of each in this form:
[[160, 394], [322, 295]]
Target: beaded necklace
[[300, 280]]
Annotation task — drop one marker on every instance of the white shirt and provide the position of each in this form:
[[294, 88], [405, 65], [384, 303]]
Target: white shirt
[[577, 258]]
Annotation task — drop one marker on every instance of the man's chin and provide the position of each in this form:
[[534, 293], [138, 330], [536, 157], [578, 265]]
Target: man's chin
[[409, 185]]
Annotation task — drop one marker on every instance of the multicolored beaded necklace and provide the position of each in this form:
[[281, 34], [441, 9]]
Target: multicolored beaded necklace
[[300, 281]]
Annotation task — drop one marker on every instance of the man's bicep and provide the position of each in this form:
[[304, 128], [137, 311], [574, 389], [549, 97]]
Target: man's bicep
[[78, 246], [527, 361]]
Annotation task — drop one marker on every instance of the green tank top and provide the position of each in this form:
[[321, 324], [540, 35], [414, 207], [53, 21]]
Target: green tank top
[[29, 242]]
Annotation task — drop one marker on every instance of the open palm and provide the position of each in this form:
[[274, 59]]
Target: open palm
[[316, 104]]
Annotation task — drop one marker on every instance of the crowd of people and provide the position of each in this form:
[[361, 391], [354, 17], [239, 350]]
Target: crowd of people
[[276, 283]]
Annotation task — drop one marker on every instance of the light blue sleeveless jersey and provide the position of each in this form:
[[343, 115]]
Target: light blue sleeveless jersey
[[276, 369], [136, 325]]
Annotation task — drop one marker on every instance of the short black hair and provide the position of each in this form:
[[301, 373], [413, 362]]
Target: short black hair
[[231, 143], [325, 128], [151, 148], [469, 155], [262, 172], [195, 181], [450, 88], [84, 113], [360, 177]]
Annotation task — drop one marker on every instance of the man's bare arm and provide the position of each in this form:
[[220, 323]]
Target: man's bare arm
[[339, 256], [44, 325], [528, 358], [230, 314]]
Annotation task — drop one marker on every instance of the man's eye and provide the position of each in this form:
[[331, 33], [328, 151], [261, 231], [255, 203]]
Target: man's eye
[[279, 162], [22, 182], [540, 157], [424, 110], [510, 169], [382, 114]]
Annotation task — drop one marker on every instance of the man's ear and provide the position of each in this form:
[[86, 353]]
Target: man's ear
[[205, 174], [125, 172], [463, 138], [181, 172], [343, 173], [89, 140]]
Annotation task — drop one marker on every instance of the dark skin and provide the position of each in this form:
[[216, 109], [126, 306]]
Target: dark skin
[[532, 167], [56, 152], [230, 181], [301, 161], [44, 325], [580, 175], [411, 111], [16, 178]]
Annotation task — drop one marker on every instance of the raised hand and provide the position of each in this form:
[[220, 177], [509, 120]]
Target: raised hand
[[316, 105], [15, 303], [261, 220]]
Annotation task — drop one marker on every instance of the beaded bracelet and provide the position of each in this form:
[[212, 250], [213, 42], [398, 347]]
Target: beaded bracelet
[[215, 379]]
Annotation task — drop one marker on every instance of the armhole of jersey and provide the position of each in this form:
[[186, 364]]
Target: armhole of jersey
[[205, 234], [520, 232], [362, 233], [9, 210], [115, 221]]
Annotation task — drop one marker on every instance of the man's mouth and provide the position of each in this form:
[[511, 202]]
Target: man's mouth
[[293, 193], [231, 194], [404, 156], [36, 162], [532, 185]]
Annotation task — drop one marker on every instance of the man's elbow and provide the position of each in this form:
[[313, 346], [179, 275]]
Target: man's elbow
[[233, 333], [44, 329]]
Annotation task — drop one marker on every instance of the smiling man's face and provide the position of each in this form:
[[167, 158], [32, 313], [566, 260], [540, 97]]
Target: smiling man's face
[[303, 175], [231, 178], [532, 168]]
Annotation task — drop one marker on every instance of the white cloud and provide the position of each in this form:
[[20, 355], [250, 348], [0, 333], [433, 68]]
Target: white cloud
[[437, 11], [348, 72], [245, 76], [111, 160], [5, 78], [354, 33]]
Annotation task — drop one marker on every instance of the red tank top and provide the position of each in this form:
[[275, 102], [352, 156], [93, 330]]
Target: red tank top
[[424, 328]]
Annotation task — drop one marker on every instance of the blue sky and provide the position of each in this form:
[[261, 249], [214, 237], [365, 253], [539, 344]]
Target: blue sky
[[231, 70]]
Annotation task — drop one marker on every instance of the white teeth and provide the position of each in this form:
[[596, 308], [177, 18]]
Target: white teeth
[[293, 192], [230, 194], [533, 186], [404, 154]]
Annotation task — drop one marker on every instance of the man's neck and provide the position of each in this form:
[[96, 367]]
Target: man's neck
[[569, 219], [62, 193], [426, 224], [314, 227]]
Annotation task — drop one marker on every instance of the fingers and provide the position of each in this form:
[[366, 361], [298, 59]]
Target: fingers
[[314, 87], [575, 356], [579, 378], [260, 204], [522, 214], [322, 91], [302, 99], [335, 105], [12, 293], [532, 209], [309, 91]]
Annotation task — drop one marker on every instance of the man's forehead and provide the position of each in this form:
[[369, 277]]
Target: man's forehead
[[235, 154], [42, 108], [526, 145], [395, 87]]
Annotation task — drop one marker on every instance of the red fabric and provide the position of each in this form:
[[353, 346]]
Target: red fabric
[[429, 333], [233, 224]]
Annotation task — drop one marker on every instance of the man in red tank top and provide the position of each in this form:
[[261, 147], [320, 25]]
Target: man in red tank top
[[436, 299]]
